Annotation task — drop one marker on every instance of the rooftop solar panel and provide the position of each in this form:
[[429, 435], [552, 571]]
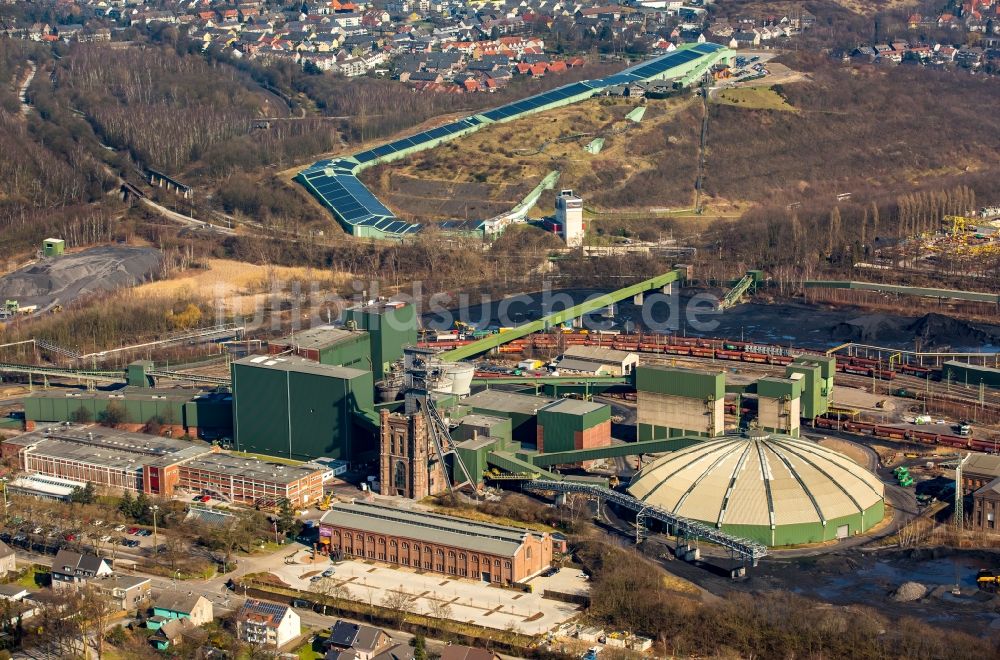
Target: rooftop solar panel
[[334, 182]]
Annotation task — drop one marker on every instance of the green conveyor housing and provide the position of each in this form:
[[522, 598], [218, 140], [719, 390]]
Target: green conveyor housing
[[562, 316]]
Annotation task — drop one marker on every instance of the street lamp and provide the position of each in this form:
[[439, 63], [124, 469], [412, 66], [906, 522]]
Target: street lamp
[[156, 543]]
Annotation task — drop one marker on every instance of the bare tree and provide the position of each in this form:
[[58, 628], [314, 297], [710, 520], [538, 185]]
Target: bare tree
[[399, 602]]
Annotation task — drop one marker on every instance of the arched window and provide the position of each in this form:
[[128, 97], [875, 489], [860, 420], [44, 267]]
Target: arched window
[[527, 553], [440, 552], [451, 554], [461, 555], [406, 546]]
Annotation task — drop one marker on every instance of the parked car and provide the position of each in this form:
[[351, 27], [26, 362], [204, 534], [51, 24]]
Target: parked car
[[105, 538], [316, 578], [205, 498], [328, 573], [38, 530], [70, 537], [133, 530], [120, 528]]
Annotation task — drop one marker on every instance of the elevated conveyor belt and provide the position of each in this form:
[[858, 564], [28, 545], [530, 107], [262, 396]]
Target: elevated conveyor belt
[[553, 380], [557, 318], [948, 294], [745, 548], [734, 294], [108, 376]]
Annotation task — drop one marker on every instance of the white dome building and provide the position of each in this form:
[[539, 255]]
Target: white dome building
[[775, 489]]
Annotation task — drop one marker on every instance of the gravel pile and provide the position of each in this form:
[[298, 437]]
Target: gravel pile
[[909, 592], [66, 278]]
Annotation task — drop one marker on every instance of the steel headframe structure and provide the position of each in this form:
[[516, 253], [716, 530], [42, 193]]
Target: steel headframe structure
[[747, 549]]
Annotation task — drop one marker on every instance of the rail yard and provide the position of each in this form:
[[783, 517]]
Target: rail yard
[[858, 443]]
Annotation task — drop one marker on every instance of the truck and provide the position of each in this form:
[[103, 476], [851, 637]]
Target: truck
[[964, 429]]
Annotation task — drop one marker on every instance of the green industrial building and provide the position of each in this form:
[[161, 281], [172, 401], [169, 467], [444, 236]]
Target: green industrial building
[[520, 409], [390, 325], [207, 414], [673, 402], [774, 489], [292, 407], [570, 424], [328, 344], [969, 375], [817, 387]]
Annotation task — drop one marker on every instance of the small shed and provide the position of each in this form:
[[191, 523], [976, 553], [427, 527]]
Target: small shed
[[53, 247]]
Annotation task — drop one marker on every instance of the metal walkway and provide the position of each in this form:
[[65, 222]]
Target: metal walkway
[[747, 549], [110, 376]]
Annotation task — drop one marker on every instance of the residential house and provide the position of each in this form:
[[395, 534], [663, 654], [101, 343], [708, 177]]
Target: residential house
[[267, 624], [969, 57], [126, 592], [8, 562], [421, 76], [170, 633], [356, 641], [177, 604], [351, 67], [458, 652], [72, 569], [745, 39]]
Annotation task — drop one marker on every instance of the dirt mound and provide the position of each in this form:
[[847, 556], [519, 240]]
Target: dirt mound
[[909, 592], [66, 278], [938, 330]]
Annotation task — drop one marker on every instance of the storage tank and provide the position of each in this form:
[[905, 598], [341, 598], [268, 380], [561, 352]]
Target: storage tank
[[461, 374]]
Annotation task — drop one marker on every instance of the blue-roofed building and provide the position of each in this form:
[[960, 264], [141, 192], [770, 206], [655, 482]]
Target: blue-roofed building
[[335, 184]]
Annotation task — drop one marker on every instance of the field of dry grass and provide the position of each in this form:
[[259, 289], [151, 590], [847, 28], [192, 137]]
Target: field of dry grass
[[499, 164], [753, 98], [239, 285]]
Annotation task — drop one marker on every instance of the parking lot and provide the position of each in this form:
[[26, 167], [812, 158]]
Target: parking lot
[[43, 535], [565, 581], [433, 593]]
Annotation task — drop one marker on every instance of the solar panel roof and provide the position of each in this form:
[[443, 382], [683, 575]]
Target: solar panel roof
[[335, 183]]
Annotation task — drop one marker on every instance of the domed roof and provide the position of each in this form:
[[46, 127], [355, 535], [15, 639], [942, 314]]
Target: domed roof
[[769, 480]]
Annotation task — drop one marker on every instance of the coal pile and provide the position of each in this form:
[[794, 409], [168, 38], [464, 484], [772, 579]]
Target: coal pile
[[933, 331]]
